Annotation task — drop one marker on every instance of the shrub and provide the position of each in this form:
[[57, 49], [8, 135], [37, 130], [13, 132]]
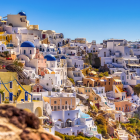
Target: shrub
[[60, 135], [123, 125], [100, 120], [72, 80], [96, 70], [94, 138], [106, 73], [97, 63], [103, 131], [67, 137], [101, 75]]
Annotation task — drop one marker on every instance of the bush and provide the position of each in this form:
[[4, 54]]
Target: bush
[[106, 73], [103, 131], [80, 138], [96, 70], [72, 80], [100, 120], [97, 62], [101, 75], [94, 138], [60, 135], [67, 137], [123, 125]]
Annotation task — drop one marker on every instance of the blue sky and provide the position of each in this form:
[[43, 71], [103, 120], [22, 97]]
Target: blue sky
[[91, 19]]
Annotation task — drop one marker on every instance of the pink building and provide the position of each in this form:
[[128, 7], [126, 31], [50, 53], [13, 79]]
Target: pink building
[[41, 63]]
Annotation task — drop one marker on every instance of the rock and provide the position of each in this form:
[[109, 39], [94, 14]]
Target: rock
[[110, 130], [18, 124]]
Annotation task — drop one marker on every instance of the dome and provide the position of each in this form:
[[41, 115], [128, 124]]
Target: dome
[[50, 57], [63, 57], [22, 13], [27, 44]]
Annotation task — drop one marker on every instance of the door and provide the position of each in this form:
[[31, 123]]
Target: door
[[43, 36], [37, 89], [119, 119], [104, 54], [24, 51], [26, 96], [11, 96]]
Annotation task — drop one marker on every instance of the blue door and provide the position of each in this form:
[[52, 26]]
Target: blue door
[[10, 96], [26, 96]]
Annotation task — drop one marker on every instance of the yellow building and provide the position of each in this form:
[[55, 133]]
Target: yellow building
[[11, 90], [5, 38]]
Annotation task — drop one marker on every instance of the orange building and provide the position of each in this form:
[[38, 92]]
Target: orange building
[[61, 103], [124, 106], [106, 82]]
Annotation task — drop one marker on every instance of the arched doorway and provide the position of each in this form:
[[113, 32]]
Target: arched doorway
[[68, 123], [38, 111], [28, 110]]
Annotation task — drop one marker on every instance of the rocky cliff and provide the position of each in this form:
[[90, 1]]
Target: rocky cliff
[[18, 124]]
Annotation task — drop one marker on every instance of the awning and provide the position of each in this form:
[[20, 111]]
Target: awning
[[43, 117], [79, 81], [117, 80], [3, 21], [69, 121], [93, 72]]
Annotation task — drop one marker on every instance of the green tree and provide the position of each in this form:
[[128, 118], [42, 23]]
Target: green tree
[[137, 89], [1, 92], [106, 73], [101, 75], [96, 70], [15, 63], [6, 53]]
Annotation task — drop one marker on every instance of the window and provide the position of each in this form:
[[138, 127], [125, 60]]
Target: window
[[68, 114], [116, 108], [24, 51], [62, 107], [11, 84], [109, 83], [3, 97], [47, 84], [127, 77], [55, 102], [55, 108], [37, 98], [58, 107], [122, 77], [88, 90], [52, 107], [33, 98], [65, 107], [66, 102], [30, 51], [119, 108]]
